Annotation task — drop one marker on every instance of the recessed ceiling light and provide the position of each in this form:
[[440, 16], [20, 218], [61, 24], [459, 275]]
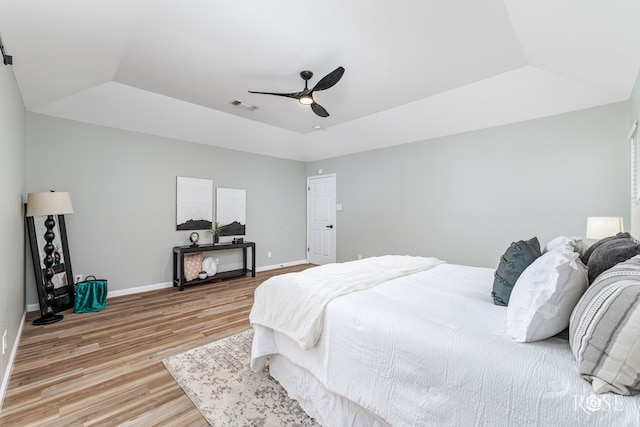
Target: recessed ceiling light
[[318, 127], [243, 105]]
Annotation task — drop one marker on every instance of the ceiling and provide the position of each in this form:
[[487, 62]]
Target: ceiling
[[415, 69]]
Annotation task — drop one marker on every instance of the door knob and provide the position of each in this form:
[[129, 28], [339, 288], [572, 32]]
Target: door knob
[[330, 226]]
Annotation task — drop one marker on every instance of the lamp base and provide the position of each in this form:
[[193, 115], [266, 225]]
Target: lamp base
[[44, 320]]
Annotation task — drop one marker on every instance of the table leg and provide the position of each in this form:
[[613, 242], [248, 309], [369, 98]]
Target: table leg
[[253, 260], [180, 268], [244, 259]]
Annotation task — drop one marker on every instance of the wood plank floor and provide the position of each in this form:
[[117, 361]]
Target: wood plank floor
[[106, 368]]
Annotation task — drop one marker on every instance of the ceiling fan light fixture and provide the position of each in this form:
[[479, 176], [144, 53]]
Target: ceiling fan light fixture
[[306, 100], [305, 97]]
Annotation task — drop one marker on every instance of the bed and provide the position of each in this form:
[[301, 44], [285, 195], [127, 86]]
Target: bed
[[424, 348]]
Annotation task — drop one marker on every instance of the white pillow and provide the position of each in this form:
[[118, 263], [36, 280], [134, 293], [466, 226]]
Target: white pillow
[[545, 294], [560, 241]]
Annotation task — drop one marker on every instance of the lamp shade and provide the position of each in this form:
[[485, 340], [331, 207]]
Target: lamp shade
[[49, 203], [599, 227]]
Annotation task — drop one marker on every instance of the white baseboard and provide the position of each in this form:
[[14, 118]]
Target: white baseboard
[[12, 358], [153, 287], [138, 289], [286, 264]]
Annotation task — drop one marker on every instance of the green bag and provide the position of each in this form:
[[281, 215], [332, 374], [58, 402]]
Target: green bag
[[91, 295]]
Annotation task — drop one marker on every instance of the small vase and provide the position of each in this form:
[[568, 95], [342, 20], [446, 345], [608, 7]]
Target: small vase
[[202, 275]]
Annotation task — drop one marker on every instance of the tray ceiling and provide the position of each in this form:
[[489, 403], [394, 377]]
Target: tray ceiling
[[414, 70]]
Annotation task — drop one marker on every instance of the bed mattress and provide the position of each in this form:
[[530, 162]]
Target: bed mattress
[[428, 350]]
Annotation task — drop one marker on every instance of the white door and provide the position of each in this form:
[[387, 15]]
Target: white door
[[321, 219]]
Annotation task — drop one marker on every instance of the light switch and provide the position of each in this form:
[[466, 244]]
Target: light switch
[[339, 207]]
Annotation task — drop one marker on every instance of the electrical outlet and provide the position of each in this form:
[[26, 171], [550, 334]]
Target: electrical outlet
[[4, 343], [359, 256], [78, 278], [269, 254]]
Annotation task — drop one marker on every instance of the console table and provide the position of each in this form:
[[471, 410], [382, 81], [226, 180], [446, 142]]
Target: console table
[[180, 251]]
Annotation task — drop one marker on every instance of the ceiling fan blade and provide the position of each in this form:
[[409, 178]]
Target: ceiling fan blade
[[329, 80], [295, 95], [319, 110]]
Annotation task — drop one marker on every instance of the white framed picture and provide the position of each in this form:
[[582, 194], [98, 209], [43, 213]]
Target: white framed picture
[[194, 203], [231, 211]]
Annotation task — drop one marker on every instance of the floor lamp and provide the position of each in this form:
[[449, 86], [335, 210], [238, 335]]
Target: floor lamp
[[48, 204]]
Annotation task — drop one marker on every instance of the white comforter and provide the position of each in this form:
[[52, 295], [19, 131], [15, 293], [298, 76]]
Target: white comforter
[[294, 303], [428, 350]]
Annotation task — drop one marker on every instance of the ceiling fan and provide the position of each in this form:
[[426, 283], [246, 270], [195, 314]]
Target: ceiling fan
[[305, 97]]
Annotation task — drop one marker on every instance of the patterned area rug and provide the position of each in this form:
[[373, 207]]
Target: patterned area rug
[[217, 379]]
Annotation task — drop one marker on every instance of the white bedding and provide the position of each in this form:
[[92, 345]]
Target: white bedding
[[294, 303], [427, 350]]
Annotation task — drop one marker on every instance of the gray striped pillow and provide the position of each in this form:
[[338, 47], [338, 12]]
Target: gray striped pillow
[[604, 330]]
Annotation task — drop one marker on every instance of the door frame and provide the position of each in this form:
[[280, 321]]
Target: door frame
[[333, 208]]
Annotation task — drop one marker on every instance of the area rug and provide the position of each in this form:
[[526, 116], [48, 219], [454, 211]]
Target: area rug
[[217, 379]]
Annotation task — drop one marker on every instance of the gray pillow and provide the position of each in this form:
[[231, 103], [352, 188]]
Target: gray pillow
[[610, 253], [518, 256], [604, 331], [592, 248]]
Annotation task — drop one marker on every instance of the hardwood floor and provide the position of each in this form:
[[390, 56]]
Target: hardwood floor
[[106, 368]]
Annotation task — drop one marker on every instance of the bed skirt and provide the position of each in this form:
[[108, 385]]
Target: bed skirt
[[328, 408]]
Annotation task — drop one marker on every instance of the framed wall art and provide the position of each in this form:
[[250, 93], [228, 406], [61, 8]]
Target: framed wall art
[[194, 203], [231, 211]]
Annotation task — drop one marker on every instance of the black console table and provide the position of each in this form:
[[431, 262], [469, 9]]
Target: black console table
[[180, 251]]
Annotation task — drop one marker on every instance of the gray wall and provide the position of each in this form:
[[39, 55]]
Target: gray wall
[[12, 188], [123, 189], [464, 198]]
